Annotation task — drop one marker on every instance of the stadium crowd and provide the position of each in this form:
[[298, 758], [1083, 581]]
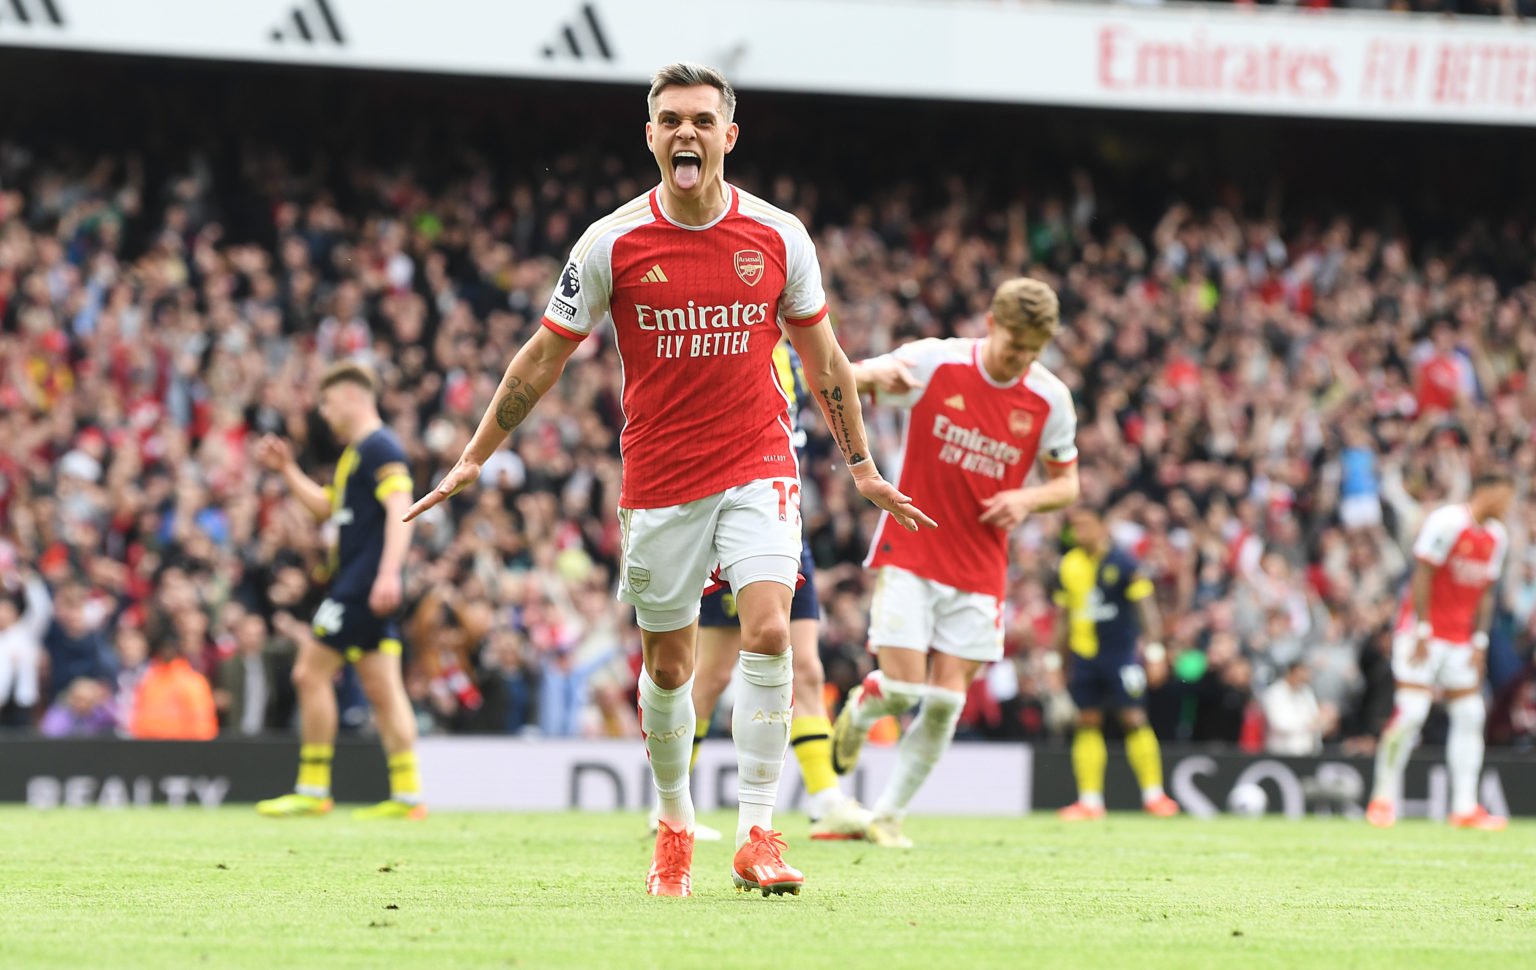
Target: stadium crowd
[[1266, 407]]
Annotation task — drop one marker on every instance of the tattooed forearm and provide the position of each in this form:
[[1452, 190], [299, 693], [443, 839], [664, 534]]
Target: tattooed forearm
[[514, 406], [837, 423]]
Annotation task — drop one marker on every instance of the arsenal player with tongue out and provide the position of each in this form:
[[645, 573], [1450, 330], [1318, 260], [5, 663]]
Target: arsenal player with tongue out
[[700, 280]]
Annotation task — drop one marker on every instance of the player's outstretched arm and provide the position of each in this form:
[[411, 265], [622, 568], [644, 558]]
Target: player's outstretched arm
[[832, 380], [276, 455], [529, 377]]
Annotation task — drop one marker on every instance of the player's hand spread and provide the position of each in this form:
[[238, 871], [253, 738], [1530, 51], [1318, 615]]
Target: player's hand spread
[[1007, 510], [273, 452], [385, 596], [459, 477], [885, 495], [891, 376], [1480, 662]]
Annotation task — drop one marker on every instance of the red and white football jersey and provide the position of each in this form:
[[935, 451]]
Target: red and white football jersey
[[1467, 557], [696, 313], [967, 438]]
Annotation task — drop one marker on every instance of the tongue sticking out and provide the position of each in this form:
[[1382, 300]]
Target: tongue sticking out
[[687, 174]]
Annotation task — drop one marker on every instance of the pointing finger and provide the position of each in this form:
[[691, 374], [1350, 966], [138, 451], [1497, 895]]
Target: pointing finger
[[921, 516]]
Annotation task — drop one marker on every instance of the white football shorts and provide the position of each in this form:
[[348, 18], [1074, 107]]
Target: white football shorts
[[750, 533], [919, 614], [1449, 665]]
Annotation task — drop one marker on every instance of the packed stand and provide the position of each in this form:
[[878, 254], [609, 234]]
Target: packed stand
[[1266, 409]]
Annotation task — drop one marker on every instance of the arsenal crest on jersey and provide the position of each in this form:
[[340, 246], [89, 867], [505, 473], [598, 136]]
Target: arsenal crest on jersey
[[749, 266], [1020, 423]]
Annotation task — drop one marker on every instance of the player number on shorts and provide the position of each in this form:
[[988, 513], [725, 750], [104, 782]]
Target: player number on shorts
[[789, 498], [328, 617], [1134, 680]]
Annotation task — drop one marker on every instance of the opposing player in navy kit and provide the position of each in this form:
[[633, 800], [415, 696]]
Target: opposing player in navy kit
[[359, 620]]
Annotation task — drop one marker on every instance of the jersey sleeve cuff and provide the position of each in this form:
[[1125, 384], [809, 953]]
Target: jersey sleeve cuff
[[811, 320], [565, 332], [393, 484], [1064, 463]]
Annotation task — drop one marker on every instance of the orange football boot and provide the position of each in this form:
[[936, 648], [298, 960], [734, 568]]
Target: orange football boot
[[1162, 806], [1081, 812], [760, 864], [1479, 818], [672, 864], [1381, 813]]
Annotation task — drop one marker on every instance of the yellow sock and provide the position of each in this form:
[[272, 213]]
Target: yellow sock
[[1089, 757], [1146, 760], [811, 738], [315, 770], [404, 779], [693, 759]]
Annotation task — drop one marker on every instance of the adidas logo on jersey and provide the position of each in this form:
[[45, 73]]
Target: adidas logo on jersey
[[655, 275], [957, 402]]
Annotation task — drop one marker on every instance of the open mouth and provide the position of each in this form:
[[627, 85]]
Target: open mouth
[[686, 167]]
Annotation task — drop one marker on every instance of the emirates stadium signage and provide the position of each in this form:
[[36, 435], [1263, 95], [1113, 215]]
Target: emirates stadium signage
[[1203, 58]]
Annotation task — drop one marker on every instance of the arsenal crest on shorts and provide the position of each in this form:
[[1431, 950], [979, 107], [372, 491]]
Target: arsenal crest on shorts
[[1020, 423], [749, 266]]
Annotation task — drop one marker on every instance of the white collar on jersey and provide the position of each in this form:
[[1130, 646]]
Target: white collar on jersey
[[976, 359], [730, 203]]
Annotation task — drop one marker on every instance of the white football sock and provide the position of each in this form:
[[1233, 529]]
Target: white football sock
[[926, 741], [1464, 750], [667, 720], [760, 727], [883, 697], [1409, 709]]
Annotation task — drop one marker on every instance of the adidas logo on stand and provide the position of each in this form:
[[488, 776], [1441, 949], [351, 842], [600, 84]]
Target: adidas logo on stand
[[655, 275], [581, 39], [310, 22], [32, 13]]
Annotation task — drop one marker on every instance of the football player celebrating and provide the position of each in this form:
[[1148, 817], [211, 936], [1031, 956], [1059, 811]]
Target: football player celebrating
[[701, 280]]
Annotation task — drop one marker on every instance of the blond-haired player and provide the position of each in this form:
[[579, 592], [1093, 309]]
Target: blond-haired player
[[980, 415]]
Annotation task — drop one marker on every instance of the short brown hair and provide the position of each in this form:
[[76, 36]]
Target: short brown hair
[[350, 372], [1027, 304], [686, 75]]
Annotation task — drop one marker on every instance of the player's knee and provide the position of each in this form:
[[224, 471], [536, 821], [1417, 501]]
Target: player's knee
[[1410, 709], [1132, 718], [1468, 711], [766, 634], [1089, 717], [670, 673], [942, 709], [307, 677]]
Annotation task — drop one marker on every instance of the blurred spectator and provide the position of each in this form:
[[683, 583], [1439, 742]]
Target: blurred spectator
[[174, 701], [24, 617], [1294, 722], [74, 642], [85, 709], [253, 680]]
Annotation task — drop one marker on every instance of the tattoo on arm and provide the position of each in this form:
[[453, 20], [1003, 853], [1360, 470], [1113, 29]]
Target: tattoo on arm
[[837, 423], [515, 405]]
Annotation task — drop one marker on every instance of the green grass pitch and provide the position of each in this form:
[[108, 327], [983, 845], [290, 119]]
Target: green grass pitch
[[161, 888]]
